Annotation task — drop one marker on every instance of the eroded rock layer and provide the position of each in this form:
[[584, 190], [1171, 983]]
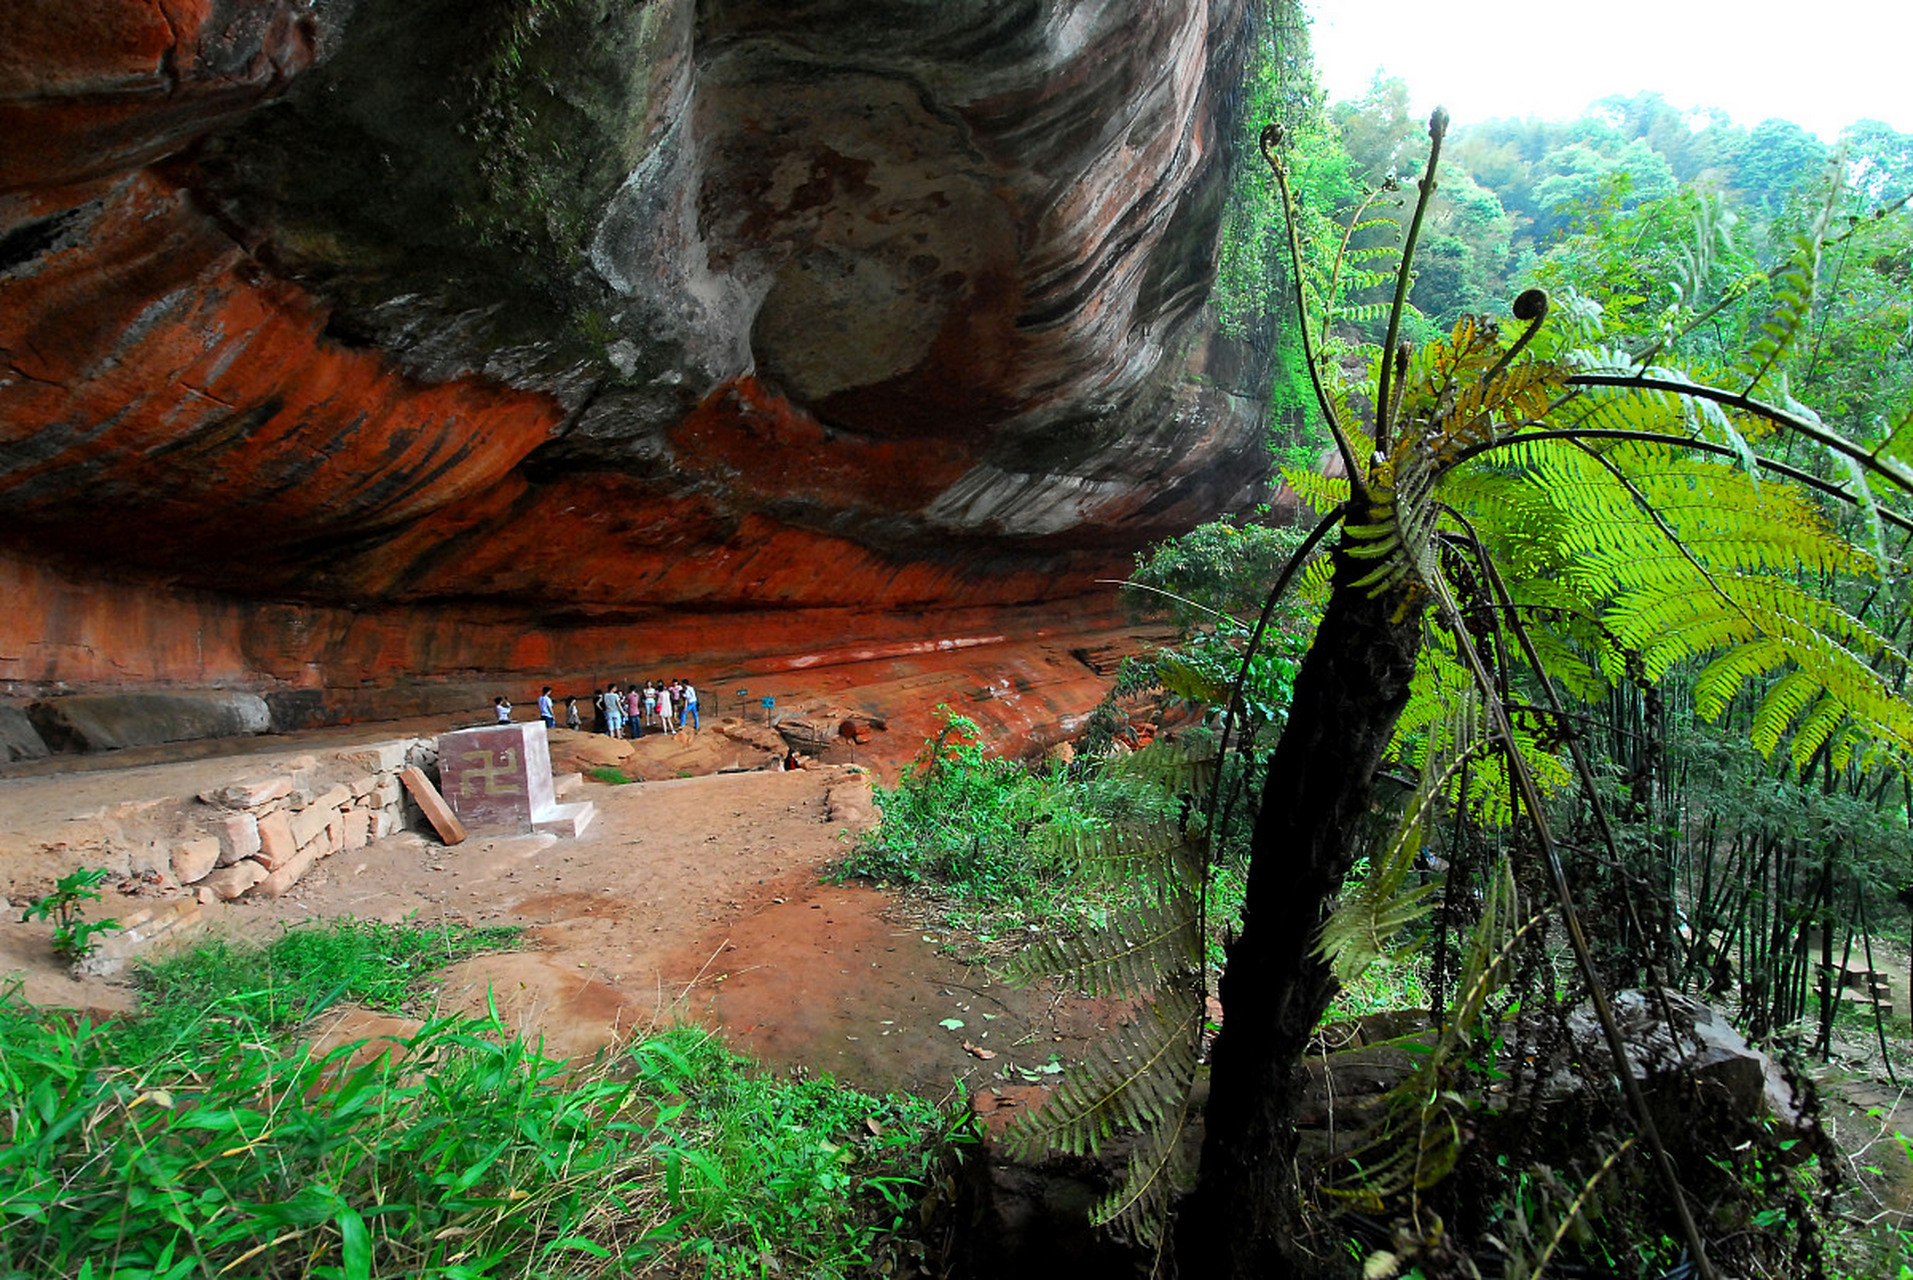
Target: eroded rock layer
[[348, 343]]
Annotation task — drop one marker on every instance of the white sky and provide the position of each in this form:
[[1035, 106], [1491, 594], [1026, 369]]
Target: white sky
[[1820, 63]]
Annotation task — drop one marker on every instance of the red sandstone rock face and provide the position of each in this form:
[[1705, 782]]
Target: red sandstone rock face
[[359, 343]]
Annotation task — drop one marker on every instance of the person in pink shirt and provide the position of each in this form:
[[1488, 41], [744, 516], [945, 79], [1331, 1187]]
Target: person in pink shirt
[[634, 703]]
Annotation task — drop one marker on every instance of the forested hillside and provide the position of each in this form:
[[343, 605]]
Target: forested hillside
[[1669, 222]]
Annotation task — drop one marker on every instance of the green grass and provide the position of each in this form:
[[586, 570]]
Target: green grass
[[220, 988], [993, 841], [206, 1138], [607, 774]]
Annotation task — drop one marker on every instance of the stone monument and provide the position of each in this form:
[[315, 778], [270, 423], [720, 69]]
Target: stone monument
[[499, 778]]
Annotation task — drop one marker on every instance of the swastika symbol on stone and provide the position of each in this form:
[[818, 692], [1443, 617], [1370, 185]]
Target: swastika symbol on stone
[[486, 778]]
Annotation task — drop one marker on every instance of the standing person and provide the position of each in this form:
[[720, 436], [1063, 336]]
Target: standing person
[[650, 702], [572, 722], [597, 712], [503, 708], [664, 710], [634, 710], [690, 706], [614, 711], [544, 709]]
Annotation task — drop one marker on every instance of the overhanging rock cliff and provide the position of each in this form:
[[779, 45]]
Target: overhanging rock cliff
[[346, 343]]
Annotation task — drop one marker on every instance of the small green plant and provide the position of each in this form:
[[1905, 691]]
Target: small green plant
[[609, 775], [72, 931]]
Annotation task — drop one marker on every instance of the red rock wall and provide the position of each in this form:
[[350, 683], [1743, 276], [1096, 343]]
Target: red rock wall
[[881, 365]]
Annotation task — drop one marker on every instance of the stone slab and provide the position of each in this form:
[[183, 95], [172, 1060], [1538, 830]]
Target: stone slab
[[140, 933], [249, 795], [382, 757], [229, 882], [437, 812], [309, 824], [283, 878]]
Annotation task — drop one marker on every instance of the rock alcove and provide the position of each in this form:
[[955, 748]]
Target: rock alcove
[[360, 354]]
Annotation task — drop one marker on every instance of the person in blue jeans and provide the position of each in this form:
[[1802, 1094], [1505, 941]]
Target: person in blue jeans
[[544, 709], [690, 707]]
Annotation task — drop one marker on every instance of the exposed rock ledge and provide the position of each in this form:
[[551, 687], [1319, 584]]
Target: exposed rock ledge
[[347, 341]]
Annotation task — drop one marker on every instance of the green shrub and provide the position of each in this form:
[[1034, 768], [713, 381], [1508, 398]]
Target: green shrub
[[994, 838]]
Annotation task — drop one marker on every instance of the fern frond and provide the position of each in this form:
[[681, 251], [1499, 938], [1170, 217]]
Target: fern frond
[[1146, 946], [1129, 1082], [1322, 494], [1158, 1170], [1358, 932]]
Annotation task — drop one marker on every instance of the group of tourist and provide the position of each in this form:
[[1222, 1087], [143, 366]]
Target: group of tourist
[[621, 711], [627, 711]]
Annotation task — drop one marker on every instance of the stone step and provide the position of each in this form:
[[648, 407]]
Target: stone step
[[569, 820]]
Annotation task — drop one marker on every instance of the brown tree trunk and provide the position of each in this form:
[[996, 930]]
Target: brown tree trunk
[[1243, 1218]]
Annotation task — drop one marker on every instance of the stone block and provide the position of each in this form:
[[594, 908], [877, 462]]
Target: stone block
[[110, 721], [358, 829], [362, 786], [238, 838], [276, 843], [334, 835], [283, 878], [497, 777], [385, 822], [389, 792], [249, 795], [337, 797], [193, 860], [229, 882], [309, 824], [384, 757]]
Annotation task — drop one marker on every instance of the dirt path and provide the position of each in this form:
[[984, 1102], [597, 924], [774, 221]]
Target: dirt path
[[687, 899]]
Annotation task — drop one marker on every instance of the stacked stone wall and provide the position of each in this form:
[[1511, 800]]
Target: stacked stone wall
[[262, 834]]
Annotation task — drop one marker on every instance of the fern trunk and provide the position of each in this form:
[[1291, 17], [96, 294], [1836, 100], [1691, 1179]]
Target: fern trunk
[[1244, 1218]]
